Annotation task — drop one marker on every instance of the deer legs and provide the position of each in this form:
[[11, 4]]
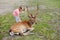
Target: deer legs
[[23, 33], [29, 31]]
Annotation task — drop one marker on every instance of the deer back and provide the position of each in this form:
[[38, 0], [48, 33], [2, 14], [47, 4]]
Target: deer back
[[21, 26]]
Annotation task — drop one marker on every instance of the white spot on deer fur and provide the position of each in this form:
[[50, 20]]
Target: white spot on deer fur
[[11, 33], [17, 33]]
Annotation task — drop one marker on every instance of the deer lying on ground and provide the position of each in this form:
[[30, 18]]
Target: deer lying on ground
[[24, 27]]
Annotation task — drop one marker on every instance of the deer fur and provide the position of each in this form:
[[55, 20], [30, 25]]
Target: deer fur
[[24, 27]]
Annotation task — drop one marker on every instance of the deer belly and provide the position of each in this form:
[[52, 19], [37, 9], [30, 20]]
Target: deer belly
[[19, 29], [22, 29]]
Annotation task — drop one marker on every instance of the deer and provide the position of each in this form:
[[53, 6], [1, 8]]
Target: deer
[[24, 27]]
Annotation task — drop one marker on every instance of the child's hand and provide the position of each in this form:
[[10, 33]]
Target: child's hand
[[23, 9]]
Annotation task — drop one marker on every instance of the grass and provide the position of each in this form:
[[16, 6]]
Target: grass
[[45, 29], [47, 3], [41, 28]]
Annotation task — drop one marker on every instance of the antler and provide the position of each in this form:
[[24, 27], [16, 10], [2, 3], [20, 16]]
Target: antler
[[37, 10], [28, 11]]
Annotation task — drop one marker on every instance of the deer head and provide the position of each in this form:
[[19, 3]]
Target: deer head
[[32, 17]]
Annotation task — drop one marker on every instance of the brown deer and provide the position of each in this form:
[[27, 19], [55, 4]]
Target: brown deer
[[24, 27]]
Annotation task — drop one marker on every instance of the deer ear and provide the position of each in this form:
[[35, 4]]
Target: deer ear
[[30, 15]]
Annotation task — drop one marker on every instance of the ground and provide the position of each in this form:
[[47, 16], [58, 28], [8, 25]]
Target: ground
[[47, 27]]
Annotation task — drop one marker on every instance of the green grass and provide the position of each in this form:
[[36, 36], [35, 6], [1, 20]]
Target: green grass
[[52, 3], [47, 3], [41, 28]]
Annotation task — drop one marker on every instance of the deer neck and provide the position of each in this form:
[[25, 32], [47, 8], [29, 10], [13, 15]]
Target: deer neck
[[30, 22]]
